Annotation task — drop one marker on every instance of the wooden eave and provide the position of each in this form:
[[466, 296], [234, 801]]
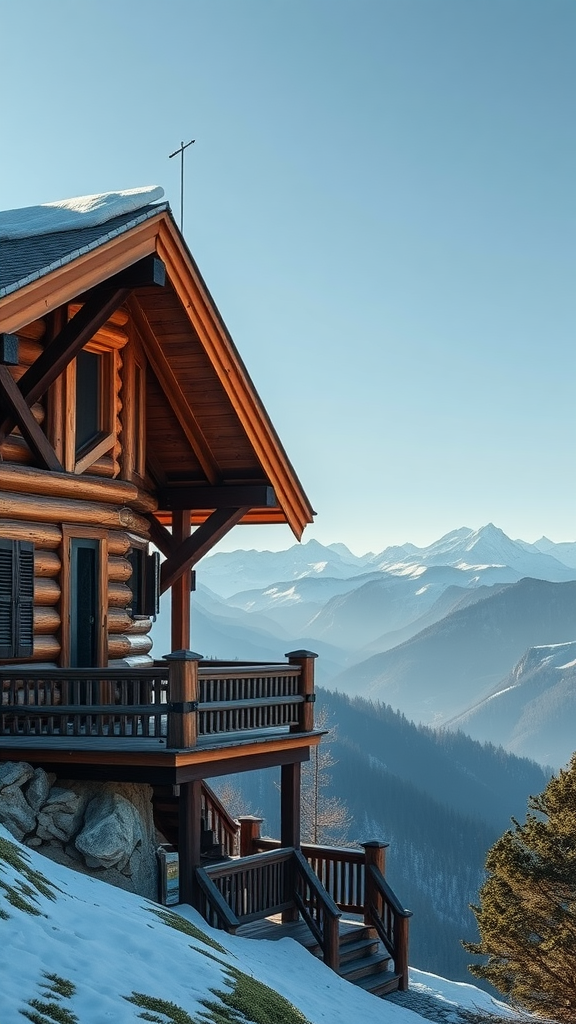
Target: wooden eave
[[268, 462]]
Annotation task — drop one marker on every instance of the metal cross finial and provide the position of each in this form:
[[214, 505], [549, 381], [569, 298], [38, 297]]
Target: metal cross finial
[[175, 153]]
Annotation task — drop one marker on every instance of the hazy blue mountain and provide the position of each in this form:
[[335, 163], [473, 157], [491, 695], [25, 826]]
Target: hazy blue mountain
[[390, 601], [449, 601], [456, 662], [228, 572], [532, 712], [564, 552]]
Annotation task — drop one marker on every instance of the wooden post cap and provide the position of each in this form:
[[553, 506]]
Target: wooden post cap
[[375, 844], [249, 817], [300, 654], [182, 656]]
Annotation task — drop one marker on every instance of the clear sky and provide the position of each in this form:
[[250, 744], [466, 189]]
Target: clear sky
[[381, 197]]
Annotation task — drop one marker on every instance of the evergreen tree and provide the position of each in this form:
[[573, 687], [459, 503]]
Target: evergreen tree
[[527, 912]]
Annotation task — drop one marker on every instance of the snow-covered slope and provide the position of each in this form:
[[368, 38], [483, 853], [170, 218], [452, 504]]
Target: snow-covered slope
[[93, 953]]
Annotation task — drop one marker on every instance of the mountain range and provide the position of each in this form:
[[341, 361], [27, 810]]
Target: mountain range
[[433, 631]]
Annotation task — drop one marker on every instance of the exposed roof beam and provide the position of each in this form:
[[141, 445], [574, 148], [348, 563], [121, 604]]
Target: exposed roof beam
[[195, 547], [97, 309], [12, 401], [176, 397], [197, 497]]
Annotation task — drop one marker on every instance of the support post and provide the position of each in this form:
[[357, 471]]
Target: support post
[[189, 834], [249, 833], [401, 960], [181, 587], [183, 694], [374, 855], [290, 818], [306, 689]]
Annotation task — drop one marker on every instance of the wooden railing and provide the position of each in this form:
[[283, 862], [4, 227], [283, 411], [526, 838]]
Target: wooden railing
[[216, 818], [84, 702], [355, 883], [340, 869], [255, 887], [387, 915], [175, 701]]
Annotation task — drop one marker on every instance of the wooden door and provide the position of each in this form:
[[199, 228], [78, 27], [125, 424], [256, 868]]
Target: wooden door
[[85, 602]]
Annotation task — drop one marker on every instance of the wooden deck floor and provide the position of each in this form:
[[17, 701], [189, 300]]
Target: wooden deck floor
[[272, 928]]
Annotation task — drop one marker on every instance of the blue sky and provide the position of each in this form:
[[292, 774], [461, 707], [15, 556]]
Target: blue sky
[[381, 198]]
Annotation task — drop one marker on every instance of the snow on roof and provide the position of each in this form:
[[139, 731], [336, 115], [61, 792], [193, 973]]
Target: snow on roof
[[72, 214]]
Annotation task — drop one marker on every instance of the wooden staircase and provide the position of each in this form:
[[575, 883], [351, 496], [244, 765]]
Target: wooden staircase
[[363, 959]]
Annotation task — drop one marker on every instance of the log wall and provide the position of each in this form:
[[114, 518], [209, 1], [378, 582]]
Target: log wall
[[35, 505]]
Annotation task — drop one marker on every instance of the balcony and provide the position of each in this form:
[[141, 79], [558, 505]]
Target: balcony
[[179, 704]]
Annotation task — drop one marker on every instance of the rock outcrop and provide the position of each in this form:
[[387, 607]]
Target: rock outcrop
[[103, 829]]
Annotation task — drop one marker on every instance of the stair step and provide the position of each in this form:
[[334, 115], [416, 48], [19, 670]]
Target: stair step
[[357, 950], [379, 984], [354, 933], [377, 963]]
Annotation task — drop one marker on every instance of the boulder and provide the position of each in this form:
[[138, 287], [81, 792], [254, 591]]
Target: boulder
[[38, 789], [110, 832], [60, 816], [15, 813], [15, 773]]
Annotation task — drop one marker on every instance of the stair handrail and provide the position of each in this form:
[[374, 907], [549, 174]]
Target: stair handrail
[[222, 915], [230, 827], [324, 923], [385, 912]]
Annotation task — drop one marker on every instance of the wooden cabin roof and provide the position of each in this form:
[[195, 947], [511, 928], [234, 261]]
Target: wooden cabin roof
[[208, 433]]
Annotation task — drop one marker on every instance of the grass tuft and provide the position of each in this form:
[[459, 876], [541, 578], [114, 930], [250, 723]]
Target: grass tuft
[[48, 1012], [180, 924], [174, 1013], [248, 999]]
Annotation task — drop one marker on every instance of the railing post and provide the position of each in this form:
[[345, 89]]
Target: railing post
[[332, 942], [374, 855], [183, 693], [401, 958], [306, 689], [249, 833]]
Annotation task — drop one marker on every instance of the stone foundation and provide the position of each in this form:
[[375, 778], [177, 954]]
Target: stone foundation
[[104, 829]]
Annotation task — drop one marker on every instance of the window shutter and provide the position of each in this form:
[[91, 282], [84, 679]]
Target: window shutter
[[16, 599], [6, 599], [152, 584], [24, 619]]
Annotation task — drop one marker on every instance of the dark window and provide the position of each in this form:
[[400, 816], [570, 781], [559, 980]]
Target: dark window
[[144, 582], [16, 599], [88, 398]]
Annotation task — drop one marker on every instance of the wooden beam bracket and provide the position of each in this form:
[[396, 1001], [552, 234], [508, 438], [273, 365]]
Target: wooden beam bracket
[[198, 544], [12, 401], [99, 306]]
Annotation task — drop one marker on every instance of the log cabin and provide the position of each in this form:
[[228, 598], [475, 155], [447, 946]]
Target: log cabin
[[131, 441]]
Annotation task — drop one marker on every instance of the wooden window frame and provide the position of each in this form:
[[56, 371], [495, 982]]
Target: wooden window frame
[[105, 439], [146, 603], [70, 533], [134, 414]]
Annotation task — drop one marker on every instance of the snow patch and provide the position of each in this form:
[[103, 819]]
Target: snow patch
[[79, 212]]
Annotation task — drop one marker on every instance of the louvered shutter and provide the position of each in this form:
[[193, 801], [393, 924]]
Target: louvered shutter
[[6, 599], [24, 619], [16, 599]]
